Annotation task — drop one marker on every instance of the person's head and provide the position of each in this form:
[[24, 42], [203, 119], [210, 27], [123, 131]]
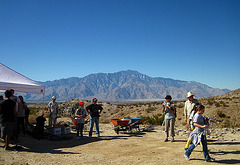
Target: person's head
[[21, 98], [1, 97], [190, 96], [8, 94], [53, 98], [81, 104], [168, 98], [94, 101], [195, 107], [200, 109], [12, 91]]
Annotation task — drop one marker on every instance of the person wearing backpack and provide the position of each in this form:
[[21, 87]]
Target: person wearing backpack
[[169, 111]]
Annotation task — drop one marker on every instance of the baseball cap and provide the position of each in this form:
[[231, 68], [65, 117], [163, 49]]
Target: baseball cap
[[81, 103]]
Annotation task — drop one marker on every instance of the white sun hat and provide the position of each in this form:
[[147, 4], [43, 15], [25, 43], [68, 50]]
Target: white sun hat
[[189, 94], [54, 97]]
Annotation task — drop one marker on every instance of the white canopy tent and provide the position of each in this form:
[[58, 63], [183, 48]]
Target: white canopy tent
[[10, 79]]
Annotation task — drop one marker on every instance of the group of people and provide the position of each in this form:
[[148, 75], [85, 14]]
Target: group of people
[[197, 125], [93, 109], [13, 115]]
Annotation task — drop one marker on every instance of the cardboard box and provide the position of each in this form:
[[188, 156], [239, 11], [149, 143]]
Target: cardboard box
[[54, 131], [65, 130]]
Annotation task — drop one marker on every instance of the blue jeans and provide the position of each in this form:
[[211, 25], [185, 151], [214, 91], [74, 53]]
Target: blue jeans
[[92, 121], [205, 149]]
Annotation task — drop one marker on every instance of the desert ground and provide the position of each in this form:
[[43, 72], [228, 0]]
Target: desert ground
[[123, 148], [135, 148]]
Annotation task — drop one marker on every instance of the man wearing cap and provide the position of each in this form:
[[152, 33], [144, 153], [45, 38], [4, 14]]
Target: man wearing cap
[[53, 109], [94, 110], [189, 105]]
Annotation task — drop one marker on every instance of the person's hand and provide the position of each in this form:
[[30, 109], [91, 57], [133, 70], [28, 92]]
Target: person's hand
[[185, 119], [205, 126], [190, 129]]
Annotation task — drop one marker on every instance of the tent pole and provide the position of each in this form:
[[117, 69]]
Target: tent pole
[[43, 105]]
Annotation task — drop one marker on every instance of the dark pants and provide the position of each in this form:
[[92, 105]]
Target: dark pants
[[80, 127], [20, 122], [26, 121]]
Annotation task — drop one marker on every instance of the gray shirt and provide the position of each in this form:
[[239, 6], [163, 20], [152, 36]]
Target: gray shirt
[[81, 111], [197, 133]]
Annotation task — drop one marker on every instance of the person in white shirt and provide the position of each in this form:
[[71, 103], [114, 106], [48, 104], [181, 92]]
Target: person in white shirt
[[189, 105], [53, 109]]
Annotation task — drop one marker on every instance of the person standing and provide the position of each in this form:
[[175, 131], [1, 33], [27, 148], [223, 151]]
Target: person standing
[[21, 115], [94, 110], [53, 109], [81, 115], [189, 105], [169, 111], [7, 122], [199, 135], [18, 105]]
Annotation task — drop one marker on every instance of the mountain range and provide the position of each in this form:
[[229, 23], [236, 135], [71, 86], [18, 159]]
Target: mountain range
[[123, 85]]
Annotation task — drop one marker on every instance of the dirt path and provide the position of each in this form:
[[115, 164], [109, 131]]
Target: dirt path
[[110, 148]]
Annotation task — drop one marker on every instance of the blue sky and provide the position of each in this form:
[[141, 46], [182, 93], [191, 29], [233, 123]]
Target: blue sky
[[192, 40]]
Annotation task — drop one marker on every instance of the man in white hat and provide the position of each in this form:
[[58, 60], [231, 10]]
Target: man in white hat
[[189, 104], [53, 109]]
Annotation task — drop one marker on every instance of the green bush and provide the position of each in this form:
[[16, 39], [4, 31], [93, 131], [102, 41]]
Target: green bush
[[221, 114], [217, 104], [150, 109], [154, 120]]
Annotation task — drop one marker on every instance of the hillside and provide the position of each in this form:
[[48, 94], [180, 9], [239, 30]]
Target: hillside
[[123, 85], [222, 110]]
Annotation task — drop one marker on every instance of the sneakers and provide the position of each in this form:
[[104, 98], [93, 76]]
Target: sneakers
[[187, 158], [166, 140], [78, 138], [210, 160], [172, 139]]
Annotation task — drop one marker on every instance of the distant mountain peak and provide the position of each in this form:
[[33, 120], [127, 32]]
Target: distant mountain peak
[[124, 85]]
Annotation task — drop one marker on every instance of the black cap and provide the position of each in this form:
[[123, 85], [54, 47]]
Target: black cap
[[168, 97]]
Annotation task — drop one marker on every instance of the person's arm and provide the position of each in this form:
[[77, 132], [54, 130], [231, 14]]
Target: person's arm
[[77, 114], [185, 111], [49, 110], [200, 126], [15, 112], [88, 109], [163, 108], [172, 109], [189, 125], [101, 108]]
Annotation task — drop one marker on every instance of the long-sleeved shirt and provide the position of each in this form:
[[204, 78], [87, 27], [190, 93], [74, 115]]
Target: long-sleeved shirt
[[189, 106]]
